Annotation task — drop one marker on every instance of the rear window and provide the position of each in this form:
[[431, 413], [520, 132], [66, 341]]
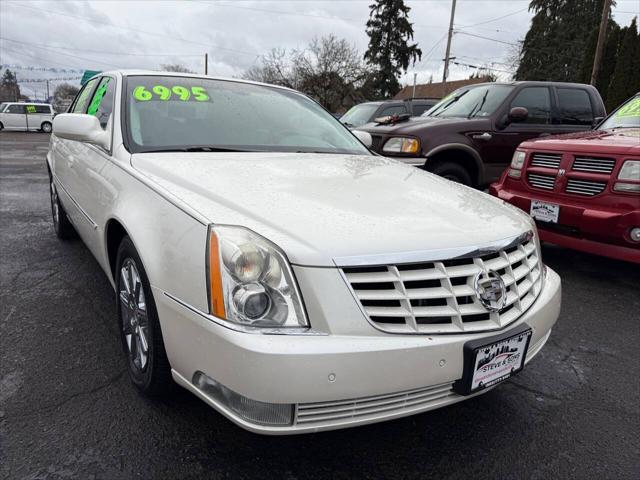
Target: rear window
[[575, 106]]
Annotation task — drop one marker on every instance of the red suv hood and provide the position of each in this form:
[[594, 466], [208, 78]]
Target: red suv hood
[[616, 142]]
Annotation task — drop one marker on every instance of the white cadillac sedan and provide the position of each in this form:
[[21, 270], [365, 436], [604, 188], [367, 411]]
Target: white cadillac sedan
[[265, 260]]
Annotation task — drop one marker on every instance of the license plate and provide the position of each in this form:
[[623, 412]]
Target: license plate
[[545, 212], [493, 360]]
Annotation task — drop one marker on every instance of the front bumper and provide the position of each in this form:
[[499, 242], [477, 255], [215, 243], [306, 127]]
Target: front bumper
[[592, 229], [334, 380]]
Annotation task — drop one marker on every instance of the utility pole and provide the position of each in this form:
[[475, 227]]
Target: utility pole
[[413, 95], [445, 74], [602, 36], [206, 64], [47, 88]]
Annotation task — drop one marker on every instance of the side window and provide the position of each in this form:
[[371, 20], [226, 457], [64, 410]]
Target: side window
[[82, 100], [575, 107], [395, 110], [31, 108], [537, 101], [15, 108], [43, 109], [102, 102]]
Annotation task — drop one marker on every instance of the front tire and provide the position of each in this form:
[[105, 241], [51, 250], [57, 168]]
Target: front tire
[[61, 224], [452, 171], [140, 332], [46, 127]]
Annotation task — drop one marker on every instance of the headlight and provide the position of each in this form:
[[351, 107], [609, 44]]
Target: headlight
[[401, 145], [630, 171], [517, 161], [250, 280]]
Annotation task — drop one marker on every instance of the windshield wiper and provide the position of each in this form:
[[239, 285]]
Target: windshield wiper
[[475, 110], [196, 148]]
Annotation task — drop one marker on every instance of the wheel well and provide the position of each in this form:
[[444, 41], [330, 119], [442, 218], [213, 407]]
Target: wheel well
[[115, 234], [456, 156]]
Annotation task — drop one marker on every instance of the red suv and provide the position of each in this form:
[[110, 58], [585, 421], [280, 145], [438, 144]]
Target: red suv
[[583, 189]]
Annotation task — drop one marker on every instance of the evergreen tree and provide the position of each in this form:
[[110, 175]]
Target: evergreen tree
[[554, 47], [9, 88], [626, 80], [611, 47], [389, 51]]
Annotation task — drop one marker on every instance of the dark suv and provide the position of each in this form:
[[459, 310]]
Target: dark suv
[[366, 112], [471, 134]]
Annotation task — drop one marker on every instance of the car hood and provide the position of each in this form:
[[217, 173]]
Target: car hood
[[621, 141], [320, 207], [416, 124]]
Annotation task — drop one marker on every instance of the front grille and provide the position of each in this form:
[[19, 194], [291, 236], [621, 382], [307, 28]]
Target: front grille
[[585, 187], [361, 408], [549, 160], [376, 140], [546, 182], [440, 297], [593, 164]]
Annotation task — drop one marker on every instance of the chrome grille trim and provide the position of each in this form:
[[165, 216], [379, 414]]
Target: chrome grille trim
[[549, 160], [439, 296], [321, 412], [585, 187], [593, 164], [546, 182]]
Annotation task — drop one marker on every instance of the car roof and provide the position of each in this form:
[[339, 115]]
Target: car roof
[[26, 103], [531, 83], [133, 73]]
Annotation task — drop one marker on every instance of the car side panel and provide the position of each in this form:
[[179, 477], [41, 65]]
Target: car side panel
[[171, 243]]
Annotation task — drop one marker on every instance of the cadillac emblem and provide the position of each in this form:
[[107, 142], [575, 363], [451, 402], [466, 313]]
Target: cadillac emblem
[[490, 290]]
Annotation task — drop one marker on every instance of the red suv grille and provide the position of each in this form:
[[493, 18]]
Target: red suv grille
[[585, 187], [549, 160], [593, 164], [545, 182]]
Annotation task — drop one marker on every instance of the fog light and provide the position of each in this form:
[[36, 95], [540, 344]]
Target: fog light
[[627, 187], [515, 173], [635, 234], [279, 414]]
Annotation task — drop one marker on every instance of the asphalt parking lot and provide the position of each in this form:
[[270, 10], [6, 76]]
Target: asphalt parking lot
[[67, 409]]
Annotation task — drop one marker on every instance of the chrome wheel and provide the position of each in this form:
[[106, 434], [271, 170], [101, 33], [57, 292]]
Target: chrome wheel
[[55, 209], [46, 127], [135, 321]]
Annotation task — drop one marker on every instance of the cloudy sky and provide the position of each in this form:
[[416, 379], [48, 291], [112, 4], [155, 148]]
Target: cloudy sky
[[102, 35]]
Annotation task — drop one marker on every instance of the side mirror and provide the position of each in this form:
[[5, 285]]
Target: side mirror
[[518, 114], [81, 128], [364, 137]]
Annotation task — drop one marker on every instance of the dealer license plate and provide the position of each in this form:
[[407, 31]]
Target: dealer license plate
[[545, 212], [494, 361]]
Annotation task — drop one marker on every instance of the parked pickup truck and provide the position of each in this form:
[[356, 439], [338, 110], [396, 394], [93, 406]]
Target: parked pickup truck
[[471, 134], [583, 189]]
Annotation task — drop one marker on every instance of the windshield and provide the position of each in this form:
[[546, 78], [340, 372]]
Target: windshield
[[183, 113], [627, 116], [359, 114], [471, 102]]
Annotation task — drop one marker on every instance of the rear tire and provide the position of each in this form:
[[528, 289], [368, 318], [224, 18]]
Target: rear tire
[[46, 127], [140, 332], [452, 171], [61, 224]]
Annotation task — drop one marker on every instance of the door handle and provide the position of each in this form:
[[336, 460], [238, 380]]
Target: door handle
[[482, 136]]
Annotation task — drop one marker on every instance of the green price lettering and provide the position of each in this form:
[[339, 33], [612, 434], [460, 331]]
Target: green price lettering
[[631, 109], [142, 94], [200, 94], [31, 109], [182, 92], [175, 93], [97, 97]]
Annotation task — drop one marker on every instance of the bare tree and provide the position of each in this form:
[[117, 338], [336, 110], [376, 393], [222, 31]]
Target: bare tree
[[175, 67], [63, 95], [330, 70]]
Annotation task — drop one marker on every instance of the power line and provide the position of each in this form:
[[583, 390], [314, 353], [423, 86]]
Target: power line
[[460, 32], [496, 19], [68, 54], [105, 53]]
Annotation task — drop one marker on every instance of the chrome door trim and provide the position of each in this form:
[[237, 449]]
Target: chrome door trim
[[420, 256]]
